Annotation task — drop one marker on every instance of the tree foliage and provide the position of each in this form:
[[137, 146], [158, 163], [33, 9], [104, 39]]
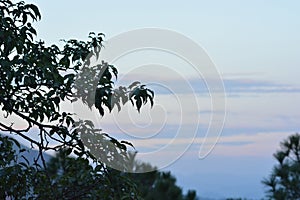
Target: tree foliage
[[284, 181], [34, 80], [156, 185], [75, 178], [164, 188], [153, 185], [64, 177]]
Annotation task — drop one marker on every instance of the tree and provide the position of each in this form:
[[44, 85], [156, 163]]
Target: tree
[[284, 181], [149, 186], [165, 188], [156, 185], [34, 80], [70, 178], [75, 178]]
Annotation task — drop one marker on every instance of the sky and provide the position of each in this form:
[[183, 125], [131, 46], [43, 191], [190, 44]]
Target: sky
[[253, 45]]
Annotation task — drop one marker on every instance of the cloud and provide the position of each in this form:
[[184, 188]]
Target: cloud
[[259, 144], [167, 83], [257, 86]]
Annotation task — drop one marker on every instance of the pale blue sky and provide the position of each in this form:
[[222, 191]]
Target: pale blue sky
[[255, 46], [240, 36]]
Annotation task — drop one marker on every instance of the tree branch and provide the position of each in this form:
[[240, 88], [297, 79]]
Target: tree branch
[[8, 128]]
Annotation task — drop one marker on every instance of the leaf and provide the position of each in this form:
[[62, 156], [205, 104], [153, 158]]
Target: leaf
[[124, 99], [41, 115], [128, 143], [151, 92], [78, 153], [35, 9], [143, 94], [24, 20], [69, 76], [30, 36], [16, 142], [68, 151], [69, 120], [101, 110], [119, 106], [25, 159], [89, 123], [151, 101], [94, 42], [132, 102], [65, 61], [98, 168], [32, 80], [50, 93], [22, 150], [138, 104], [27, 80], [115, 71], [52, 132], [56, 101], [134, 84], [32, 30], [23, 164]]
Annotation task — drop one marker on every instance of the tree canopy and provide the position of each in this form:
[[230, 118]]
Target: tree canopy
[[75, 178], [284, 181], [34, 80]]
